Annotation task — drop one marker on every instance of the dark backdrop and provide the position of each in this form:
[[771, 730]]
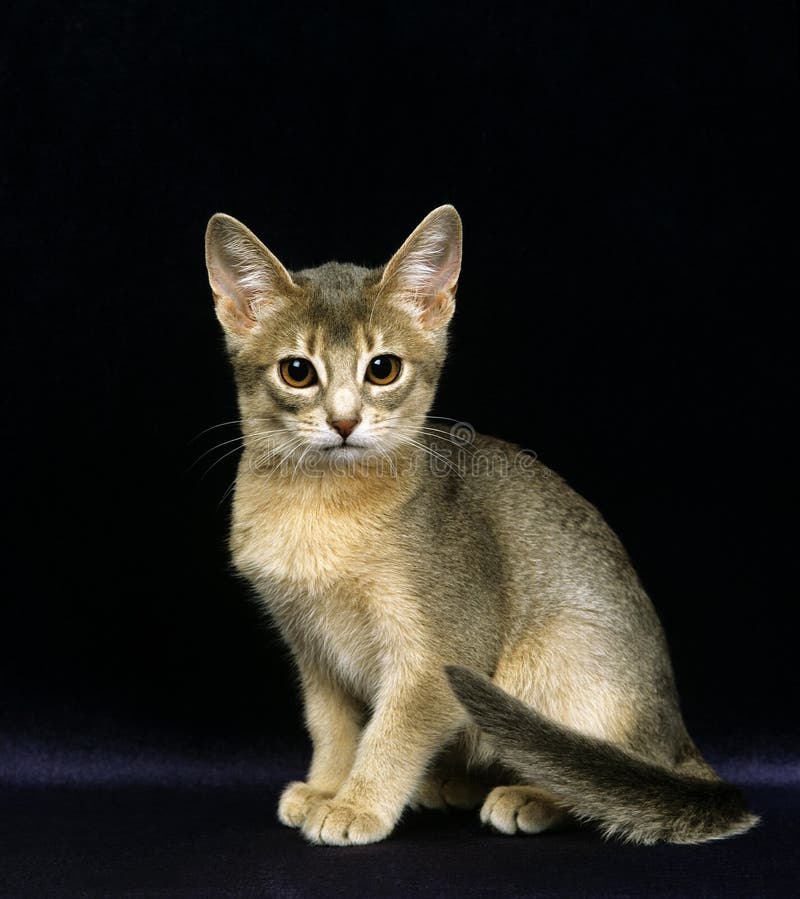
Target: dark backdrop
[[625, 177]]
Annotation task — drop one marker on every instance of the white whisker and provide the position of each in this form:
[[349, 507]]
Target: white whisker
[[222, 424], [430, 452]]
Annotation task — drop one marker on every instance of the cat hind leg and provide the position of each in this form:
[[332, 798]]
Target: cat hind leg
[[443, 790]]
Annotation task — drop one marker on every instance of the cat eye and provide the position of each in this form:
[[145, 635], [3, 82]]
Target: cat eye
[[298, 372], [383, 370]]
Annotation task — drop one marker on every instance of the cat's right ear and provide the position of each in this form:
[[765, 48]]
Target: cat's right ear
[[245, 277]]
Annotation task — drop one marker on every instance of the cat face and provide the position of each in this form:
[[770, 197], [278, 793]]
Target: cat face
[[336, 362]]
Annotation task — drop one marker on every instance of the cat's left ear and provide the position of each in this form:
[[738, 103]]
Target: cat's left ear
[[422, 276]]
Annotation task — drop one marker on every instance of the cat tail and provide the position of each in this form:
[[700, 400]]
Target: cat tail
[[597, 781]]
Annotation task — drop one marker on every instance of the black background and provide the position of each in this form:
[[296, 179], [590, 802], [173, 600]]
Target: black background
[[626, 179]]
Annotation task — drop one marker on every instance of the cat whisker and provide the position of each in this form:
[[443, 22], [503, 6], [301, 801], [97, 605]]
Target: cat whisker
[[410, 430], [285, 456], [237, 448], [387, 453], [299, 462], [432, 453], [264, 435], [226, 494], [439, 431], [449, 438], [459, 421], [284, 452], [241, 438], [427, 418], [225, 456], [222, 424]]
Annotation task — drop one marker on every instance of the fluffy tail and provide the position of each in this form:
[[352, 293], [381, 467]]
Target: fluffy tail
[[598, 781]]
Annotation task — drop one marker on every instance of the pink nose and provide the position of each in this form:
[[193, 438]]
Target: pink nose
[[344, 426]]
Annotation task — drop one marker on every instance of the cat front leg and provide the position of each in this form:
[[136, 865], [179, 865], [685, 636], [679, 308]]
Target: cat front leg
[[411, 723], [333, 719]]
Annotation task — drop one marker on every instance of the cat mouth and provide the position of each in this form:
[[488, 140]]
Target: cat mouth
[[342, 447]]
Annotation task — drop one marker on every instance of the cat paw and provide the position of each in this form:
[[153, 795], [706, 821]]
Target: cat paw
[[336, 823], [520, 808], [441, 792], [296, 801]]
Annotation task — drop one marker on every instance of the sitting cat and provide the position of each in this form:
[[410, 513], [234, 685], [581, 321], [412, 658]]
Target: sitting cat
[[386, 549]]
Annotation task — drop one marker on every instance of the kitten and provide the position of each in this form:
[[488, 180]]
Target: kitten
[[386, 550]]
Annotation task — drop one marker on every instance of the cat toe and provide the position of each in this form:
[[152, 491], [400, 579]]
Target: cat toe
[[340, 824], [429, 795], [296, 801], [442, 792], [522, 809]]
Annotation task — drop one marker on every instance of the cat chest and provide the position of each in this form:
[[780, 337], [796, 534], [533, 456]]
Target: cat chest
[[359, 639], [362, 631], [339, 599], [300, 550]]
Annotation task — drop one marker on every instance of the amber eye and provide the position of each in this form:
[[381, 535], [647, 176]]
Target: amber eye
[[383, 370], [298, 372]]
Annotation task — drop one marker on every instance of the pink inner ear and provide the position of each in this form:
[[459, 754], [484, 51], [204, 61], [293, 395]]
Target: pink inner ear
[[437, 309], [423, 273], [225, 283], [448, 275], [233, 302], [237, 317], [427, 272]]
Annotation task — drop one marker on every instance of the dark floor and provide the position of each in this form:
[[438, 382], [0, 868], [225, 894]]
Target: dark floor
[[151, 822]]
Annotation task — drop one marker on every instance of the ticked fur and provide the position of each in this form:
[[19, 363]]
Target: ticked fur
[[390, 550]]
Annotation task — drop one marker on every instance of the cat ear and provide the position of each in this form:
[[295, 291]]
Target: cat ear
[[245, 277], [422, 276]]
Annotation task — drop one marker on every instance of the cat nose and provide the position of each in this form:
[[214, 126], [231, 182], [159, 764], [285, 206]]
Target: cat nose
[[344, 426]]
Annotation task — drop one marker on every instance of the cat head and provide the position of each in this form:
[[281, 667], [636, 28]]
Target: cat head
[[338, 361]]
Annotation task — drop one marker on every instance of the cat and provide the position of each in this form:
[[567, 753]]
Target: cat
[[405, 565]]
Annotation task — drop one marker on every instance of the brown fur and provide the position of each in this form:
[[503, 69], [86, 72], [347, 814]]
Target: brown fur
[[384, 560]]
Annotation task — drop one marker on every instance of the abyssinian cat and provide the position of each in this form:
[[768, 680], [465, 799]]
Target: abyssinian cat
[[467, 629]]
